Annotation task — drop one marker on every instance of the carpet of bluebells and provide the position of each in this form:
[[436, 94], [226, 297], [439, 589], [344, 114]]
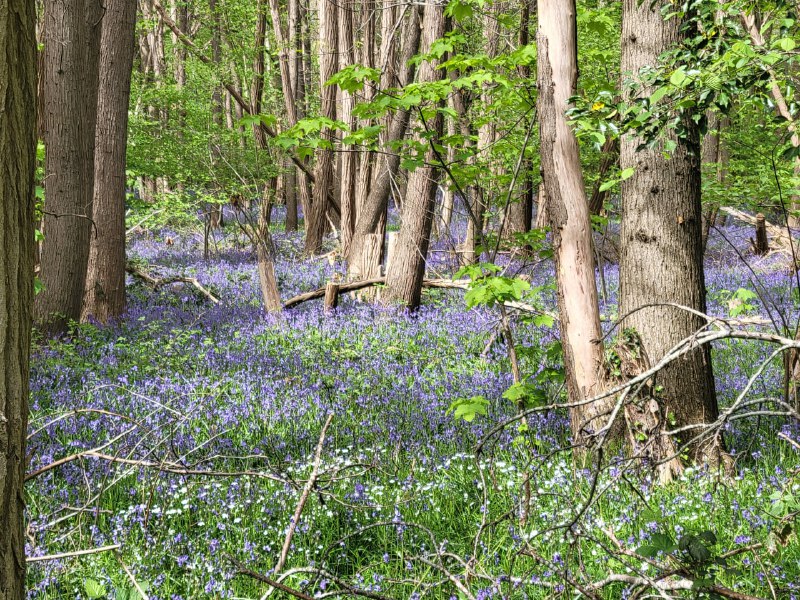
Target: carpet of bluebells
[[204, 418]]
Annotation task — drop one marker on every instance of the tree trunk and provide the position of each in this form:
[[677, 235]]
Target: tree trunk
[[105, 280], [568, 213], [751, 22], [662, 258], [520, 212], [266, 260], [347, 179], [316, 219], [65, 250], [387, 164], [710, 167], [486, 137], [17, 162], [404, 280]]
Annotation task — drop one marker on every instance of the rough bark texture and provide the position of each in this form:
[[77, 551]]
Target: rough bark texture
[[347, 179], [404, 280], [17, 159], [266, 261], [373, 210], [65, 250], [662, 258], [568, 213], [324, 170], [105, 279]]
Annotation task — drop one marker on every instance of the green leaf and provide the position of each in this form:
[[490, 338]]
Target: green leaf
[[608, 185], [468, 409], [627, 173], [94, 589], [678, 77], [786, 44]]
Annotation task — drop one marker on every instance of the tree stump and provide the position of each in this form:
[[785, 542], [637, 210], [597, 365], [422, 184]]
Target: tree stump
[[761, 244], [331, 296]]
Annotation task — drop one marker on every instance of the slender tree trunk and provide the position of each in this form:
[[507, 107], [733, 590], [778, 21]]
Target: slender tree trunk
[[520, 212], [366, 159], [404, 280], [711, 147], [65, 250], [17, 162], [387, 164], [568, 214], [486, 138], [662, 258], [316, 219], [105, 281], [609, 158], [349, 158], [782, 108], [266, 259]]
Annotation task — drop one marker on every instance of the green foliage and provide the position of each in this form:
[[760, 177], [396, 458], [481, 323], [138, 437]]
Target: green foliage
[[469, 408], [487, 288]]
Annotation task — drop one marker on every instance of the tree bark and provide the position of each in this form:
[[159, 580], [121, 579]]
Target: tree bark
[[404, 280], [387, 164], [520, 212], [486, 138], [347, 179], [17, 162], [316, 219], [662, 258], [65, 250], [105, 280], [568, 213]]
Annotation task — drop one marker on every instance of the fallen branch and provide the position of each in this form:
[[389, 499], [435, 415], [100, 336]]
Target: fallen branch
[[458, 284], [157, 282], [32, 559], [303, 497]]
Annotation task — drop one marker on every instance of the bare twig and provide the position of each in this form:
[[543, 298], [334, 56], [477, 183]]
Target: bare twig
[[287, 542], [32, 559]]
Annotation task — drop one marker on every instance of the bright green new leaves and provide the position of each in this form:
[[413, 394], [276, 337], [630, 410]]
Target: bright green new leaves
[[489, 289], [469, 408]]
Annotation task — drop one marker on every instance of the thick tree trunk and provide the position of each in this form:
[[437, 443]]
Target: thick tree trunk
[[662, 258], [17, 161], [105, 280], [316, 219], [404, 280], [568, 213], [65, 250]]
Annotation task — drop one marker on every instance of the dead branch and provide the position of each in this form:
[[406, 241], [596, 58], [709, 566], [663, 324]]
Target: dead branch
[[303, 497], [157, 282], [32, 559]]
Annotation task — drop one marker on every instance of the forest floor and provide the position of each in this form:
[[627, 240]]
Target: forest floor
[[192, 430]]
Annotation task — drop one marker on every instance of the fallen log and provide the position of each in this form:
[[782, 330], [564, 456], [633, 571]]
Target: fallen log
[[157, 282], [458, 284]]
